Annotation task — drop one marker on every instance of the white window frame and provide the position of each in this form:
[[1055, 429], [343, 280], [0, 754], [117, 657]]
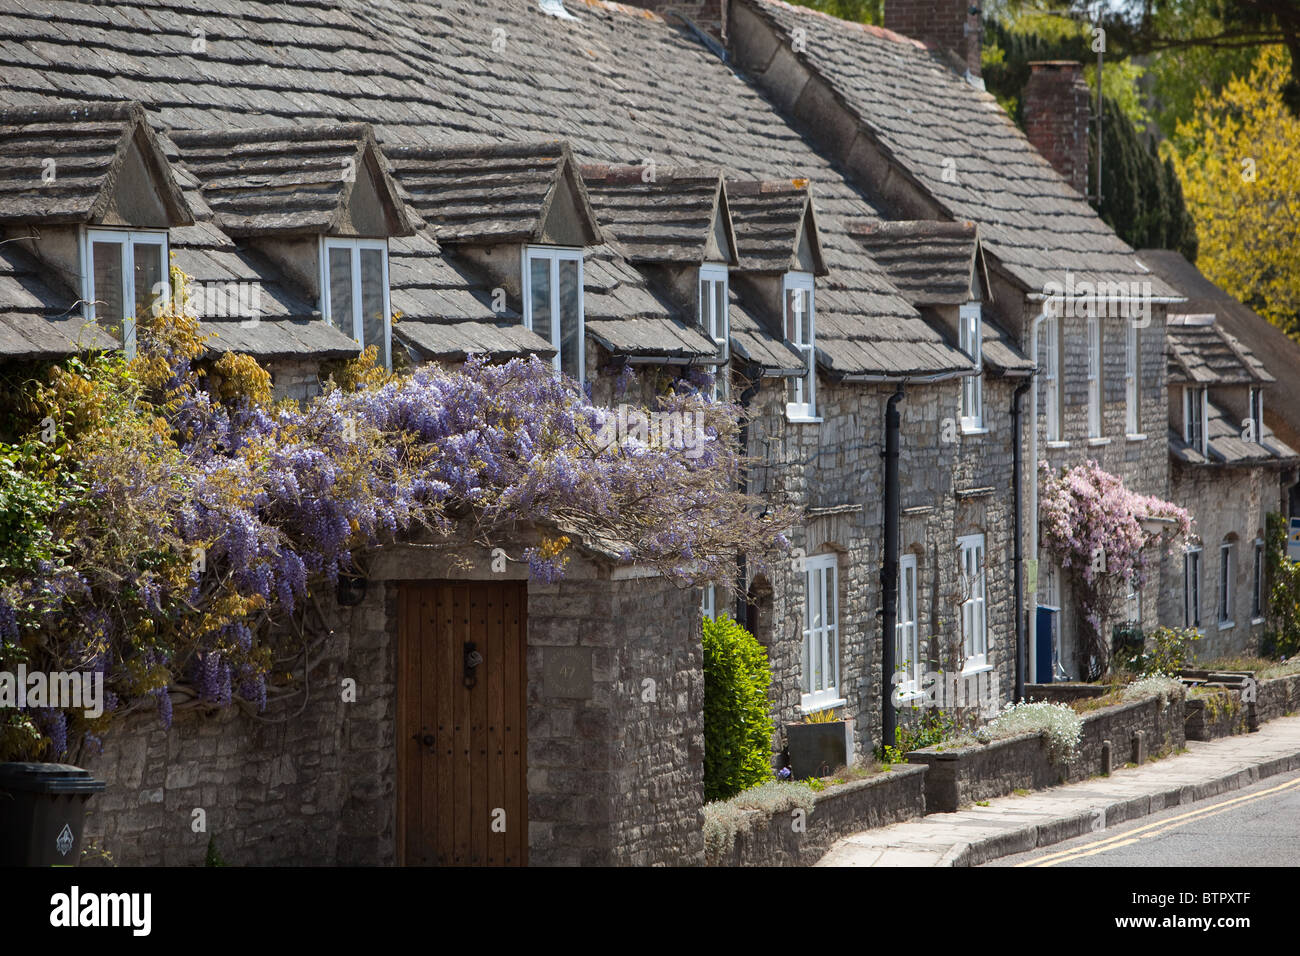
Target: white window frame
[[907, 645], [1133, 602], [1132, 380], [1049, 589], [805, 387], [1258, 599], [1227, 579], [555, 255], [970, 336], [709, 602], [358, 318], [717, 327], [1192, 586], [973, 562], [1196, 398], [1094, 377], [821, 638], [126, 238], [1052, 377], [1257, 413]]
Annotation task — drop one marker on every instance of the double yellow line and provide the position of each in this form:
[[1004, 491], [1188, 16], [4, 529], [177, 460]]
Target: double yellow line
[[1129, 837]]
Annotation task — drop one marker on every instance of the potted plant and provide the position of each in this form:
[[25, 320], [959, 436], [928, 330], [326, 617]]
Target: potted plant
[[818, 744]]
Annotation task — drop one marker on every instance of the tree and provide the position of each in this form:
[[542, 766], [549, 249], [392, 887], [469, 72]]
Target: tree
[[1239, 162]]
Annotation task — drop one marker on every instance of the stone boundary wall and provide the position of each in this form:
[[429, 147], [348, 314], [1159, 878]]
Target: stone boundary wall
[[1064, 693], [888, 797], [1276, 698], [982, 771]]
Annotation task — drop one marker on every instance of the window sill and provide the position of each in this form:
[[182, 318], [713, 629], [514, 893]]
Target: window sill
[[803, 419], [1257, 620], [1058, 444], [1135, 437], [978, 669], [974, 431], [1227, 625], [1098, 441], [908, 697], [823, 705]]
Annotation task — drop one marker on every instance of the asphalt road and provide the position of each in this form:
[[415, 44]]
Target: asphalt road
[[1258, 826]]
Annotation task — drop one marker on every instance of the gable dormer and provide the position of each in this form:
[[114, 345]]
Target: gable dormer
[[317, 201], [520, 214], [780, 260], [86, 189], [675, 225]]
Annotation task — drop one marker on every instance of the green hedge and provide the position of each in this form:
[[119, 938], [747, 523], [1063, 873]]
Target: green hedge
[[737, 723]]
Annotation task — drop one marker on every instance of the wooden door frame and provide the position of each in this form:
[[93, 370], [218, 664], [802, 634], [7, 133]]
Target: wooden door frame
[[406, 589]]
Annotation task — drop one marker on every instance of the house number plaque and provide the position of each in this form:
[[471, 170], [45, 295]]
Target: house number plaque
[[566, 672]]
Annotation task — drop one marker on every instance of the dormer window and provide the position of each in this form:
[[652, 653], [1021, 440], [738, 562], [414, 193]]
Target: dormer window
[[1257, 412], [713, 319], [971, 341], [355, 292], [553, 303], [1195, 410], [801, 331], [126, 278]]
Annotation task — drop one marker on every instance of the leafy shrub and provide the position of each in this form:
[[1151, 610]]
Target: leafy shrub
[[1154, 685], [1282, 633], [1060, 724], [1170, 651], [725, 819], [737, 724], [934, 727]]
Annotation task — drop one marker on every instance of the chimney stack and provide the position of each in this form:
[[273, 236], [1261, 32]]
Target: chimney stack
[[950, 26], [1056, 118]]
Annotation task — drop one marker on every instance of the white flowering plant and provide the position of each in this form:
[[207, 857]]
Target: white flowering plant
[[1060, 725]]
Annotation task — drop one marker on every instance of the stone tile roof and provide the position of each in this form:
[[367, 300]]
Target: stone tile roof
[[668, 218], [618, 84], [770, 218], [489, 192], [1272, 347], [282, 180], [1202, 353], [37, 319], [960, 147], [59, 162], [1226, 447], [931, 262]]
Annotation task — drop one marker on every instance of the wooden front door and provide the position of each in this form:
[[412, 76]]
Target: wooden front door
[[461, 745]]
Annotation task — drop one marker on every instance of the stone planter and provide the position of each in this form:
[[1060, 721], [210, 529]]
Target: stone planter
[[817, 749], [773, 840], [1223, 716], [1275, 698], [962, 775]]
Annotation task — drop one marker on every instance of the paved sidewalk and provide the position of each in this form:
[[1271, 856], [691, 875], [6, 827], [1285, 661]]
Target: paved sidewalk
[[1016, 824]]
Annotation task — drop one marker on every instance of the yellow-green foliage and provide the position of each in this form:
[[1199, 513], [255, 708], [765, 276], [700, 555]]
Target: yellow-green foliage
[[1239, 162]]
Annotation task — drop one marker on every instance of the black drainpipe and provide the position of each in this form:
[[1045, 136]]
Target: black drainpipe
[[742, 569], [1017, 469], [889, 575]]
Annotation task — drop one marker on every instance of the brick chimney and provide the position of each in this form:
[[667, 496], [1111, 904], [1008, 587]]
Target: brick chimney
[[952, 27], [1056, 118]]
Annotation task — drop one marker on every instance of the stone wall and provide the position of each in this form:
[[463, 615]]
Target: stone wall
[[965, 774], [877, 801], [1230, 505], [951, 484], [616, 777]]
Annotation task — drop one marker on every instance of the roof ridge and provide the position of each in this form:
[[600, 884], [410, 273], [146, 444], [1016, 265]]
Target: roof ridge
[[881, 32]]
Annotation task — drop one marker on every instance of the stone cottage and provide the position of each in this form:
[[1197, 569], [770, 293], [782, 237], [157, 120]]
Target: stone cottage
[[310, 201], [611, 191]]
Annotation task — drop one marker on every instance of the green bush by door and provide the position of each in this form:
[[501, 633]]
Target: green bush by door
[[737, 723]]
